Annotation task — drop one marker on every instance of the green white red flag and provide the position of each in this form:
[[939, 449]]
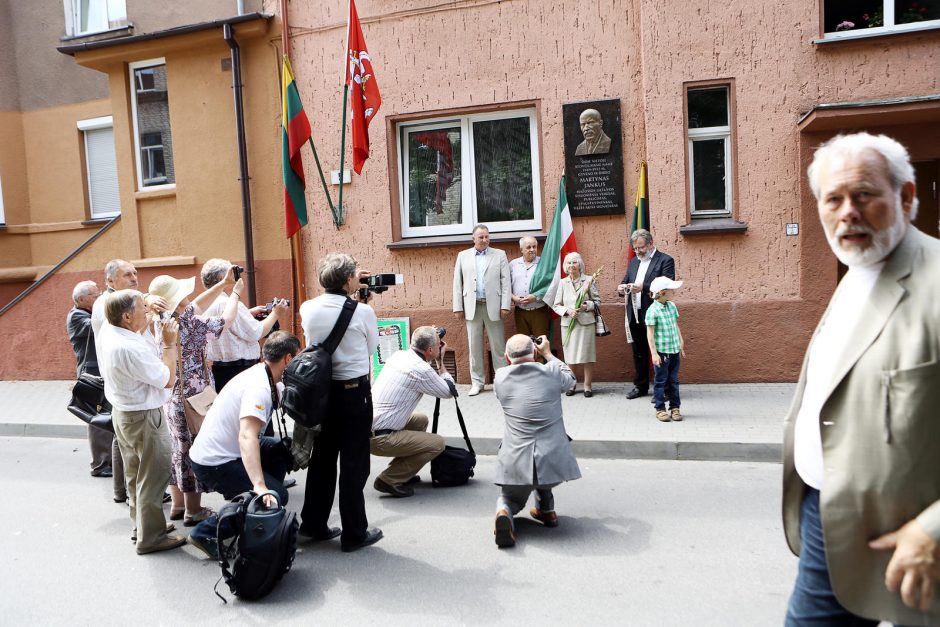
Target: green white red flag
[[560, 242]]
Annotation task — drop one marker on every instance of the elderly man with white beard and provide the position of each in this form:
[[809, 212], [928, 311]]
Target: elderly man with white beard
[[861, 486]]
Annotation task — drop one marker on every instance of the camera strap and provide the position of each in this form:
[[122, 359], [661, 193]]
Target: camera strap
[[276, 415]]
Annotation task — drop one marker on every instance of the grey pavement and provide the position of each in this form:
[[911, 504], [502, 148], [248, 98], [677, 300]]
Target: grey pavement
[[729, 422], [639, 543]]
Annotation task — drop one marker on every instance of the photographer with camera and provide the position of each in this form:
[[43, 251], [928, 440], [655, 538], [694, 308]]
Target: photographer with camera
[[237, 349], [348, 425], [230, 456], [397, 431]]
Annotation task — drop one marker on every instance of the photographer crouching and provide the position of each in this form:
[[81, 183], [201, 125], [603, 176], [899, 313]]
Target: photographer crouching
[[230, 456], [397, 431]]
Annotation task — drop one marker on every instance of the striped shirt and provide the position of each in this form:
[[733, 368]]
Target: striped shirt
[[404, 379], [665, 318]]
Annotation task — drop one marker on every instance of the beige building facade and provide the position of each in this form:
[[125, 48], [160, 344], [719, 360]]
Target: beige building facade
[[724, 104]]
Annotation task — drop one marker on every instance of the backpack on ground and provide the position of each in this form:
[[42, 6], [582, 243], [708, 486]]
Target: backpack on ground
[[308, 376], [262, 549], [454, 466]]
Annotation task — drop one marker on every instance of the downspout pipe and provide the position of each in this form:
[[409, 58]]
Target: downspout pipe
[[242, 160]]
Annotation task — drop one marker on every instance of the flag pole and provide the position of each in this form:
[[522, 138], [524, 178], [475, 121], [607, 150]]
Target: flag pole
[[338, 218], [326, 190]]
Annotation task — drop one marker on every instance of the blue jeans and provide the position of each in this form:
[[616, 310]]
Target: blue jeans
[[666, 382], [231, 479], [813, 601]]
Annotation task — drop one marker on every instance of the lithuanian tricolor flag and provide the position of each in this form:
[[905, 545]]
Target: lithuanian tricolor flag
[[295, 131], [641, 209]]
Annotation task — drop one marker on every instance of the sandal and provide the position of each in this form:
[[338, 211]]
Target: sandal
[[191, 520], [177, 514], [662, 415]]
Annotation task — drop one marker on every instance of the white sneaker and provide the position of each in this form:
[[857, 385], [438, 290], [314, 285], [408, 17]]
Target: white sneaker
[[475, 389]]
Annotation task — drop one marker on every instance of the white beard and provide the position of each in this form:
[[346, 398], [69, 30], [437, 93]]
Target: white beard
[[882, 242]]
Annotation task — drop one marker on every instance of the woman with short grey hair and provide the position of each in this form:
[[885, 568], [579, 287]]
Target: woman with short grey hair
[[577, 321]]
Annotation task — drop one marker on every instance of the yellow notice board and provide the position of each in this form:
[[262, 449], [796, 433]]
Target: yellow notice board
[[393, 337]]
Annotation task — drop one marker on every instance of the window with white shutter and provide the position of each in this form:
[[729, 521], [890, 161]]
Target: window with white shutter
[[104, 200]]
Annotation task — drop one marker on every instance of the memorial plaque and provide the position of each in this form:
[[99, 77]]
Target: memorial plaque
[[593, 158]]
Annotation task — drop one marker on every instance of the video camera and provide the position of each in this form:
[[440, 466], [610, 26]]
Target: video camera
[[378, 283]]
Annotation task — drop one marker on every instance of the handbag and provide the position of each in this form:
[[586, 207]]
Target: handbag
[[89, 403], [195, 407], [454, 466], [600, 327]]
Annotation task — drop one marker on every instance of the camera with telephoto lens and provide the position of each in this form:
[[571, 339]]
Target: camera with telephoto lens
[[237, 272], [378, 283]]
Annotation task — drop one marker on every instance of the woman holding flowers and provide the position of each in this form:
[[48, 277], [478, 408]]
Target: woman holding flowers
[[576, 301]]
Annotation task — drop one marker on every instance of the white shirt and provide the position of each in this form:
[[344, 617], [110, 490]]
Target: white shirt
[[353, 356], [521, 275], [404, 379], [834, 335], [247, 395], [134, 376], [640, 277], [240, 341], [479, 258]]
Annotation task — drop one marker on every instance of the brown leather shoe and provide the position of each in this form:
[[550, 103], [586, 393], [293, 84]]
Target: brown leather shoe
[[503, 532], [549, 519], [398, 491], [167, 543]]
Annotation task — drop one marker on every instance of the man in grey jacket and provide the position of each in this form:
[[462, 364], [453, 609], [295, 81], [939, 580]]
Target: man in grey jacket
[[535, 453]]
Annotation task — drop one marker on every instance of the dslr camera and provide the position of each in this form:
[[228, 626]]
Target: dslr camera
[[237, 272], [378, 283]]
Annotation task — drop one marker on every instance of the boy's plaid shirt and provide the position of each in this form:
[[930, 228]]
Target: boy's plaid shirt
[[666, 320]]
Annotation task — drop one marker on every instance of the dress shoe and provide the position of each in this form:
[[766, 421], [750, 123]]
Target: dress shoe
[[104, 472], [570, 392], [290, 482], [588, 393], [373, 535], [475, 389], [122, 499], [167, 543], [504, 535], [319, 536], [415, 479], [166, 497], [549, 519], [636, 393], [398, 491]]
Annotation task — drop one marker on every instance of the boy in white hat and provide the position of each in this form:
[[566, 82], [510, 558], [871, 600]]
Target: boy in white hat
[[666, 346]]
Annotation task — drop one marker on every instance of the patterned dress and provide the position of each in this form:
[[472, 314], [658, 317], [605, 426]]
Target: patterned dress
[[196, 376]]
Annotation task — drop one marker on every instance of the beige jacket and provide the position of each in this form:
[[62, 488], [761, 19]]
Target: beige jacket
[[880, 434], [496, 283]]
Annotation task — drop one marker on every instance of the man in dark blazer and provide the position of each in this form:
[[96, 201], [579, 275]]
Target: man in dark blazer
[[648, 264]]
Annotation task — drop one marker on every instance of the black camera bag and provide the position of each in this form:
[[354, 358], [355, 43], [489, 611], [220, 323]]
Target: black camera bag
[[454, 466], [308, 376]]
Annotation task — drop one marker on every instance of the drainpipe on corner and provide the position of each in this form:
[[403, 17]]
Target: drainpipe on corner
[[242, 160], [240, 7]]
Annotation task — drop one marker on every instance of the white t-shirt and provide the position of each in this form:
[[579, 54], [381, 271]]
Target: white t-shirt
[[134, 376], [247, 395], [837, 330], [353, 356]]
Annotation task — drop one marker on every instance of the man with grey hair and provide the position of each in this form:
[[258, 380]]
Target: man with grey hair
[[861, 480], [536, 452], [482, 295], [78, 326], [596, 141], [237, 348], [397, 431], [137, 382], [647, 264], [531, 314]]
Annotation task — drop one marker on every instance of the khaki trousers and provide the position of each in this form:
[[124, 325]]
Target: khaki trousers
[[145, 447], [497, 337], [411, 447]]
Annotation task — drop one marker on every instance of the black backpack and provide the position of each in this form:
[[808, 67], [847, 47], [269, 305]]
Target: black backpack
[[308, 376], [454, 466], [262, 549]]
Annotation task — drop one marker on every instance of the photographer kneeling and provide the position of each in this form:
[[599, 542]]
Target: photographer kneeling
[[230, 456], [396, 431]]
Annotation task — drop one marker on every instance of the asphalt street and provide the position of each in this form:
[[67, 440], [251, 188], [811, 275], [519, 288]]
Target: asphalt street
[[639, 543]]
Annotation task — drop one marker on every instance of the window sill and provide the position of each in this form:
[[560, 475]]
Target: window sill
[[99, 221], [713, 226], [120, 31], [874, 33], [440, 241], [43, 227], [167, 191]]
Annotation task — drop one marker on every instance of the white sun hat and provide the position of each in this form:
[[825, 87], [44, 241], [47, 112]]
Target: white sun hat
[[173, 291], [661, 283]]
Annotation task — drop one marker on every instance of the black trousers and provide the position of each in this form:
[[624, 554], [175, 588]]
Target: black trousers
[[641, 354], [346, 433]]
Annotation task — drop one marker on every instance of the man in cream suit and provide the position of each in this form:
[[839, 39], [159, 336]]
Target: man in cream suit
[[482, 295], [861, 486]]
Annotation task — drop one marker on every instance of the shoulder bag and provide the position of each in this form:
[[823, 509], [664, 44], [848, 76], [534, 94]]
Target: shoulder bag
[[454, 466], [88, 401], [195, 407]]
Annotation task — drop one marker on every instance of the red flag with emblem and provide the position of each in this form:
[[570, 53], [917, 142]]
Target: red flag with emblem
[[365, 96]]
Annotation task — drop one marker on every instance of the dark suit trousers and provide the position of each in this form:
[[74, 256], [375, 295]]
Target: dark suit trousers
[[641, 354], [346, 433]]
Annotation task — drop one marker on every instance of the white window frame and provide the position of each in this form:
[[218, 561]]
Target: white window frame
[[468, 194], [132, 67], [95, 124], [115, 17], [3, 219], [710, 133], [887, 10]]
